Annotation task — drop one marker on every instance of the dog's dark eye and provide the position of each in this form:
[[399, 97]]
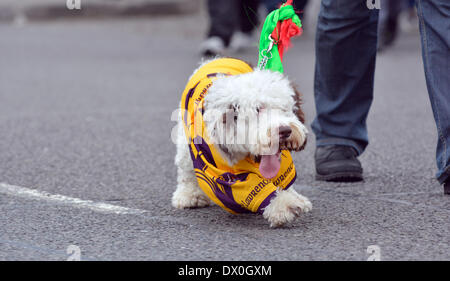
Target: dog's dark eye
[[257, 110]]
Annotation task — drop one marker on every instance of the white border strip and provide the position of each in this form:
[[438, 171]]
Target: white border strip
[[29, 193]]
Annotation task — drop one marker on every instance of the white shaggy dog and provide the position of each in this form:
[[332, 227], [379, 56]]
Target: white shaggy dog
[[251, 119]]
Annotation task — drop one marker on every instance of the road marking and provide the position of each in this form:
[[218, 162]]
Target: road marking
[[24, 192]]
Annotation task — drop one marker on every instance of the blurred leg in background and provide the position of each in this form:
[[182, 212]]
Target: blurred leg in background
[[346, 45], [299, 5], [244, 38], [434, 25], [225, 18], [389, 21]]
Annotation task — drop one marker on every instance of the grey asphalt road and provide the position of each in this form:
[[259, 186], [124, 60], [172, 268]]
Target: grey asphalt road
[[85, 112]]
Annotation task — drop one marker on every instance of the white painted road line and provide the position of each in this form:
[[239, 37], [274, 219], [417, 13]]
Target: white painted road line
[[29, 193]]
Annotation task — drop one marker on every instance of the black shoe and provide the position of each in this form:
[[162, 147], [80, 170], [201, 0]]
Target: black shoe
[[447, 187], [337, 163]]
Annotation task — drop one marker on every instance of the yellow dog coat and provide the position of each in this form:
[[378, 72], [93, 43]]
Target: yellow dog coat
[[240, 188]]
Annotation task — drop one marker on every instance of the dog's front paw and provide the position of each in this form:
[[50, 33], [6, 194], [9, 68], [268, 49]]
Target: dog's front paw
[[307, 205], [185, 198], [285, 207]]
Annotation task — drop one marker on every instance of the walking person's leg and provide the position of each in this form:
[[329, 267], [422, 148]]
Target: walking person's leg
[[223, 18], [248, 21], [346, 44], [299, 5], [248, 15], [434, 27], [388, 24]]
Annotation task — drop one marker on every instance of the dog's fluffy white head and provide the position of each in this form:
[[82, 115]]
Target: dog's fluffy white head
[[255, 114]]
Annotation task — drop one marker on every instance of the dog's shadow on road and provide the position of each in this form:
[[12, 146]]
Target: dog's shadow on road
[[215, 217]]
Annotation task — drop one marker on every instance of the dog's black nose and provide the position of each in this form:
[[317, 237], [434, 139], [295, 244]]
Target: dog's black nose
[[285, 132]]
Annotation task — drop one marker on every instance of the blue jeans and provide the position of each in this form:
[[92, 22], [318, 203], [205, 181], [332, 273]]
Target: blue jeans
[[346, 42]]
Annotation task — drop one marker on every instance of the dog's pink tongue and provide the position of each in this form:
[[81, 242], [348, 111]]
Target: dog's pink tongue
[[269, 166]]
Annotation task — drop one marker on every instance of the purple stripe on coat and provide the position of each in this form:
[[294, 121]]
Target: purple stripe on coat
[[266, 201], [186, 102]]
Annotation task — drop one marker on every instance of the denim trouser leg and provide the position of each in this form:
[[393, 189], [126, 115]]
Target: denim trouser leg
[[434, 20], [346, 45]]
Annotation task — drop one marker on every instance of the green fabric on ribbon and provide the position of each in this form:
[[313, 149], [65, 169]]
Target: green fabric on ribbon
[[283, 13]]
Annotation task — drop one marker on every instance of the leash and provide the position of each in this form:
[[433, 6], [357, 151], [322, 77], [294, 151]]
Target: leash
[[264, 58], [279, 27]]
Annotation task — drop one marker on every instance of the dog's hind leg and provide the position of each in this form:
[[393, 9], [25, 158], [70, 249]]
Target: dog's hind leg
[[188, 194]]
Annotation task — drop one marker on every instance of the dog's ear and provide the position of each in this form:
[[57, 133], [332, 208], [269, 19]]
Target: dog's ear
[[298, 104]]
